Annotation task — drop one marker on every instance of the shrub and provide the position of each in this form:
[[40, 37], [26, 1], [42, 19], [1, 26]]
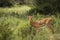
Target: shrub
[[6, 3]]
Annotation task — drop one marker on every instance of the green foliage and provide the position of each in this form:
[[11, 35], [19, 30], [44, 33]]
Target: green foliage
[[6, 3], [47, 6], [14, 25]]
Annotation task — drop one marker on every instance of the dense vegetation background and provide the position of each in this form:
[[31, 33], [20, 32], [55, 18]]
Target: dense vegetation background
[[14, 22]]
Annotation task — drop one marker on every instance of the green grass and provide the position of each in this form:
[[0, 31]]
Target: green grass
[[20, 10], [14, 26]]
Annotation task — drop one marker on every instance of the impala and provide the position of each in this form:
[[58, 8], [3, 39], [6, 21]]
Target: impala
[[40, 23]]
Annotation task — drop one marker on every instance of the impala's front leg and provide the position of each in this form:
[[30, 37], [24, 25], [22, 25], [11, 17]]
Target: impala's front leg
[[37, 30], [51, 27]]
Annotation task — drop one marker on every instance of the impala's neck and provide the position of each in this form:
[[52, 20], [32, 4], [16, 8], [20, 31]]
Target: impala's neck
[[30, 18]]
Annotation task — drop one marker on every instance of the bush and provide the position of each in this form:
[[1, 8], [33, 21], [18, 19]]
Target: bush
[[6, 3]]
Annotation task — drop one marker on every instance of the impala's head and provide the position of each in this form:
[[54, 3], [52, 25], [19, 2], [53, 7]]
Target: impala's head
[[30, 16]]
